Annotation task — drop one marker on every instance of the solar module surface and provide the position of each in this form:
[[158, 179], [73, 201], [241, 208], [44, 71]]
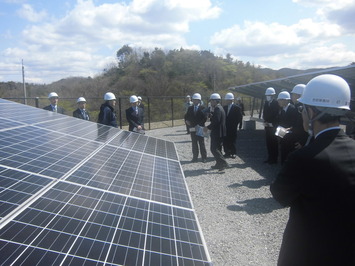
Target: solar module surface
[[73, 192]]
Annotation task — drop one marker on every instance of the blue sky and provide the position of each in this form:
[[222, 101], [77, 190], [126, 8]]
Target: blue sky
[[59, 39]]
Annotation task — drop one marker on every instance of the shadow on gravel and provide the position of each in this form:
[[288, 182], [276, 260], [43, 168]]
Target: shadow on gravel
[[210, 159], [183, 141], [252, 184], [174, 135], [251, 149], [199, 172], [255, 206]]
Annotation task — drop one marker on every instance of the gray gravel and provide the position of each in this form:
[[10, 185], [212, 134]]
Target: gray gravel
[[242, 224]]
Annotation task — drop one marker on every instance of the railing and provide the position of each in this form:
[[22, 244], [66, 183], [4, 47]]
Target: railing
[[161, 111]]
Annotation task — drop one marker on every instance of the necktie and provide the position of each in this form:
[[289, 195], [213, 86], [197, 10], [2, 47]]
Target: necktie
[[137, 111], [196, 108], [84, 114]]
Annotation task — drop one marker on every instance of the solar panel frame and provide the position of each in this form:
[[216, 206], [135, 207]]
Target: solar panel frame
[[75, 192]]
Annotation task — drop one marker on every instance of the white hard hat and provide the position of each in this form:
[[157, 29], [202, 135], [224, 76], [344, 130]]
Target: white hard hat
[[139, 98], [109, 96], [52, 95], [81, 99], [196, 96], [327, 90], [215, 96], [229, 96], [270, 91], [188, 96], [133, 99], [284, 95], [298, 89]]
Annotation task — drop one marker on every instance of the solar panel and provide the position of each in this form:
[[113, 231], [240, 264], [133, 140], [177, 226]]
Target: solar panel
[[73, 192]]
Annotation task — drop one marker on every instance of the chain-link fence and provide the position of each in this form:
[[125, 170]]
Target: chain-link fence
[[159, 112]]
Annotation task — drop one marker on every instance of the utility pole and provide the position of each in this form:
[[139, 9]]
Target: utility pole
[[24, 83]]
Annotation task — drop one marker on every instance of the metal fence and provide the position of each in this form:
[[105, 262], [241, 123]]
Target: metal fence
[[161, 111]]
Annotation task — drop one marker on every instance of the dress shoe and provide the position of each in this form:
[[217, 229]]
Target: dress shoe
[[223, 167], [233, 156], [226, 155], [194, 160], [215, 166]]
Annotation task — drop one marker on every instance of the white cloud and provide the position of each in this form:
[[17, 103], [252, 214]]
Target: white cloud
[[344, 17], [28, 13], [260, 39], [319, 41], [340, 12], [324, 56], [72, 44], [311, 56]]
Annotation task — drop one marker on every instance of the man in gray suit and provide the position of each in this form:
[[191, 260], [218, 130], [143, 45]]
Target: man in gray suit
[[218, 131]]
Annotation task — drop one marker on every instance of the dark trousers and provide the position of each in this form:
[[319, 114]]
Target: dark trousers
[[286, 147], [229, 145], [272, 144], [197, 142], [216, 150]]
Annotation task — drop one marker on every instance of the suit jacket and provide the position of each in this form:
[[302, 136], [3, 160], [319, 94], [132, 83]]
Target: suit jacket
[[198, 118], [60, 110], [271, 112], [107, 115], [218, 122], [78, 114], [289, 118], [233, 118], [318, 183], [298, 133], [134, 119]]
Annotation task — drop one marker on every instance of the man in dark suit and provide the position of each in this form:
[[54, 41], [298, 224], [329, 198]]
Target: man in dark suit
[[194, 118], [288, 121], [271, 115], [299, 136], [81, 112], [241, 105], [218, 131], [317, 182], [53, 98], [233, 119], [135, 116], [140, 104]]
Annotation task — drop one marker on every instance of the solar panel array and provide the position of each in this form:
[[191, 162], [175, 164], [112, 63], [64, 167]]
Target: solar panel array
[[73, 192]]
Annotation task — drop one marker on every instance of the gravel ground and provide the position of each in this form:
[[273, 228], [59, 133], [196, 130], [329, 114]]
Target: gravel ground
[[242, 224]]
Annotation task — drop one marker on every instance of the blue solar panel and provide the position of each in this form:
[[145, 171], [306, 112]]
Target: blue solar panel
[[73, 192]]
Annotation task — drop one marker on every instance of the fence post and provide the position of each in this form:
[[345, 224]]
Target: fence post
[[148, 113], [261, 107], [119, 108], [37, 102], [172, 111], [252, 110]]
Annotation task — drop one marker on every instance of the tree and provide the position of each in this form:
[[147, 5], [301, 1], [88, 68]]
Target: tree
[[123, 54]]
